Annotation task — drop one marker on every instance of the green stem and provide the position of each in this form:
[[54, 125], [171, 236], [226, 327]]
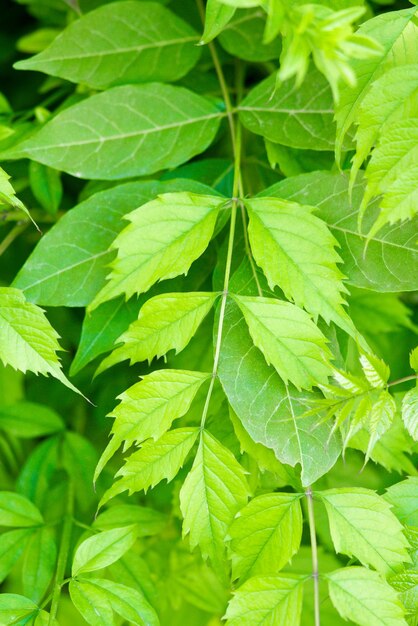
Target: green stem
[[403, 380], [63, 553], [11, 236], [314, 550]]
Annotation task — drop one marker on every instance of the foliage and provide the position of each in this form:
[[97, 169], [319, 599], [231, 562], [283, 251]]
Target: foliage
[[227, 265]]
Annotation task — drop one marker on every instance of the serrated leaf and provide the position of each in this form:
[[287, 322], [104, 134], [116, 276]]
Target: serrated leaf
[[103, 549], [410, 412], [375, 370], [406, 583], [289, 340], [217, 16], [144, 41], [403, 497], [380, 419], [165, 322], [214, 490], [392, 255], [154, 462], [265, 535], [16, 510], [134, 129], [148, 408], [362, 596], [296, 251], [354, 516], [298, 118], [174, 231], [267, 600], [396, 33], [28, 341]]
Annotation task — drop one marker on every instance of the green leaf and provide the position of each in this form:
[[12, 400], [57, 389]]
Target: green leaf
[[396, 33], [403, 497], [162, 127], [381, 418], [288, 339], [28, 341], [70, 262], [375, 313], [165, 322], [406, 583], [39, 564], [265, 535], [296, 251], [263, 404], [8, 198], [127, 42], [354, 515], [301, 118], [12, 545], [29, 419], [409, 412], [16, 510], [154, 462], [267, 600], [217, 16], [243, 37], [175, 229], [362, 596], [129, 603], [391, 256], [14, 608], [148, 408], [102, 549], [213, 492], [148, 521], [91, 602], [46, 186]]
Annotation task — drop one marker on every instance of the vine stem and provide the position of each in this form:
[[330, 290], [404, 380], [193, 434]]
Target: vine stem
[[63, 553], [314, 550]]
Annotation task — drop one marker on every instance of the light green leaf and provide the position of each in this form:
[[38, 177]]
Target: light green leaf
[[12, 545], [213, 492], [165, 322], [266, 601], [129, 603], [14, 608], [39, 563], [406, 583], [389, 265], [296, 251], [410, 412], [174, 230], [28, 341], [362, 596], [16, 510], [8, 198], [403, 497], [354, 516], [381, 418], [148, 521], [396, 33], [154, 462], [217, 16], [134, 130], [288, 339], [299, 118], [102, 549], [148, 408], [127, 42], [265, 535], [91, 602]]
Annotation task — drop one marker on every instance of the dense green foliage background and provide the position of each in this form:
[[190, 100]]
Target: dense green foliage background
[[209, 212]]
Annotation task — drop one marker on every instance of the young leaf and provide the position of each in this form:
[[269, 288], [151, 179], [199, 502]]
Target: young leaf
[[217, 16], [134, 130], [265, 535], [296, 251], [15, 608], [16, 510], [165, 322], [8, 198], [214, 490], [288, 339], [102, 549], [174, 229], [154, 462], [403, 498], [410, 412], [362, 596], [267, 600], [381, 418], [148, 408], [243, 36], [143, 41], [354, 515]]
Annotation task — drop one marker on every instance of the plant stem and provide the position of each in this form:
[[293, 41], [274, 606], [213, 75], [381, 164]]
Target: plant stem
[[63, 553], [314, 549], [403, 380], [11, 236]]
